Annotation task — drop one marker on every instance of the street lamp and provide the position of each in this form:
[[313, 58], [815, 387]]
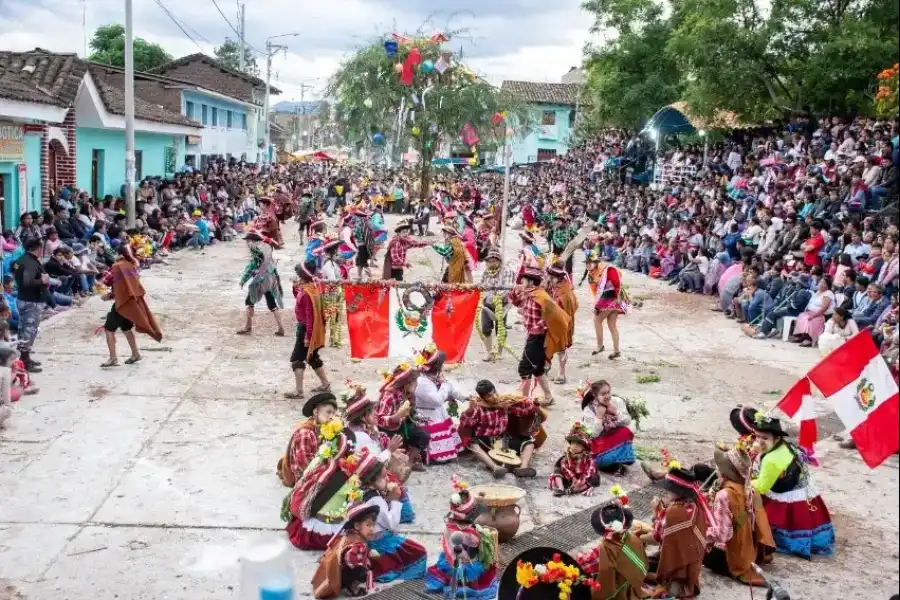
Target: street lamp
[[270, 50]]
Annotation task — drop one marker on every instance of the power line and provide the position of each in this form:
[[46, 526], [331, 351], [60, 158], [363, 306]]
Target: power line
[[174, 20], [234, 29]]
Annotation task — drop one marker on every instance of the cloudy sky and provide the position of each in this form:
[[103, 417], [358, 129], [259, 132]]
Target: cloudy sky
[[535, 40]]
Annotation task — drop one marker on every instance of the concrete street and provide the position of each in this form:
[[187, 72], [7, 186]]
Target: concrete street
[[146, 482]]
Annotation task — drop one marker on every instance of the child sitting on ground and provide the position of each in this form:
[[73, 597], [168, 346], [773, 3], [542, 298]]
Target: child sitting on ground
[[7, 356], [345, 567], [575, 472]]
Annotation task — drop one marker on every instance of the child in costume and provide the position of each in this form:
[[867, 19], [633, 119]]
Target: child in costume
[[608, 421], [346, 567], [466, 549], [319, 410], [359, 414], [399, 558], [575, 472], [619, 562]]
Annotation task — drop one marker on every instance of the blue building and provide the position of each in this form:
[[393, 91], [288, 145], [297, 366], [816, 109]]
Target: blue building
[[553, 109]]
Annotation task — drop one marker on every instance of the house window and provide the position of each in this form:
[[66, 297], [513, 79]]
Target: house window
[[548, 117], [546, 153], [138, 165], [228, 119], [215, 116], [244, 122], [189, 109], [204, 117]]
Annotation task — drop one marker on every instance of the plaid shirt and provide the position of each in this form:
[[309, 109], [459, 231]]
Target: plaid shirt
[[388, 405], [493, 422], [502, 277], [301, 450], [399, 248], [356, 555], [529, 310], [578, 469]]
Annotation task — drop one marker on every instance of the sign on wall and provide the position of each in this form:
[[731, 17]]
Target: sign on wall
[[23, 188], [170, 160], [548, 132], [12, 141]]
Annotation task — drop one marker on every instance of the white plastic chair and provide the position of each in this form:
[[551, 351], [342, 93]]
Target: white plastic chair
[[787, 325]]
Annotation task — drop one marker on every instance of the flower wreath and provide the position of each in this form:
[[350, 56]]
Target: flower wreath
[[330, 433], [554, 571]]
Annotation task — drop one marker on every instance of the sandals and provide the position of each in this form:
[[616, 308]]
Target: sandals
[[321, 388], [133, 359], [560, 381], [547, 402], [806, 344], [500, 472], [525, 473], [294, 395], [243, 332], [598, 351], [279, 333], [109, 364], [615, 355]]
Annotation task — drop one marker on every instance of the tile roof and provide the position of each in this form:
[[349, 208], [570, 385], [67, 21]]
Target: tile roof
[[184, 60], [40, 76], [543, 93], [114, 100]]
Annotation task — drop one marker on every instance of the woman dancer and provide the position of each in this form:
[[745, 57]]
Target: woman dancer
[[433, 392], [611, 303]]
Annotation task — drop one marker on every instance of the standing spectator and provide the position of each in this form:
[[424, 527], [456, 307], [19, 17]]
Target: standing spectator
[[31, 281]]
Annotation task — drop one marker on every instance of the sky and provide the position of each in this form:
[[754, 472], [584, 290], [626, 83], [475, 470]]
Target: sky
[[532, 40]]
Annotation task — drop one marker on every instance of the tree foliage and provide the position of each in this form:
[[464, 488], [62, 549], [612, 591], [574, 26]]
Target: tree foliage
[[229, 54], [108, 47], [370, 98], [757, 58]]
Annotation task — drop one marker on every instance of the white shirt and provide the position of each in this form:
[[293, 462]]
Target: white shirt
[[595, 425], [388, 514], [330, 271], [703, 264], [431, 401]]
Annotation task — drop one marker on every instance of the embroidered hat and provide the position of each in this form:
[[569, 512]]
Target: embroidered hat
[[450, 230], [532, 274], [401, 375], [430, 358], [612, 518], [330, 243], [462, 503], [734, 463], [743, 419], [403, 226], [360, 512], [579, 434], [494, 254]]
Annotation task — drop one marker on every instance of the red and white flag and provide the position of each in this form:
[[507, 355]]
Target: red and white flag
[[381, 326], [858, 383], [798, 405]]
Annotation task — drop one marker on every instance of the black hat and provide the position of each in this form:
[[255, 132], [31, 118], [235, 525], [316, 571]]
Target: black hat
[[770, 425], [402, 226], [510, 589], [606, 515], [359, 513], [743, 419], [681, 482], [318, 399]]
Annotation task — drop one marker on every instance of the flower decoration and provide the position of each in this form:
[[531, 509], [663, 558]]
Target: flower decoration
[[349, 464], [668, 461], [619, 494], [583, 388], [330, 430], [555, 571]]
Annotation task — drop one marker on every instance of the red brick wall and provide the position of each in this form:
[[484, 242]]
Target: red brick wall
[[65, 162]]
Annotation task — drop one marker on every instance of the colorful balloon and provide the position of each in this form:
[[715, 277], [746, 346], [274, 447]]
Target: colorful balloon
[[427, 66], [497, 119], [398, 68], [390, 47], [415, 131], [367, 103], [378, 139]]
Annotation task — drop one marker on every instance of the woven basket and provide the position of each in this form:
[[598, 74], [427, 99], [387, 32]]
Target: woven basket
[[496, 495]]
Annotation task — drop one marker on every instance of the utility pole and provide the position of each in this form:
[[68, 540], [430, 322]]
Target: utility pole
[[242, 25], [270, 50], [504, 214], [129, 114]]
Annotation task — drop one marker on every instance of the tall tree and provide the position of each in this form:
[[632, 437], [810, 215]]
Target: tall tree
[[108, 47], [229, 54], [372, 101]]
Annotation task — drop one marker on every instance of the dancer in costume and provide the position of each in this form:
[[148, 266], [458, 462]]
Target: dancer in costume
[[559, 236], [316, 508], [575, 472], [433, 392], [742, 535], [619, 562], [395, 256], [494, 303], [487, 422], [459, 268], [399, 558], [530, 256], [314, 245], [564, 295], [346, 567], [469, 239], [359, 413], [333, 295], [801, 523], [267, 222], [310, 333], [129, 311], [264, 281], [611, 302], [319, 410], [363, 242], [680, 530], [547, 326], [468, 552], [395, 412], [607, 418]]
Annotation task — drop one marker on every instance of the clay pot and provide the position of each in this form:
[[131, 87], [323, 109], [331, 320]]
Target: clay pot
[[505, 519]]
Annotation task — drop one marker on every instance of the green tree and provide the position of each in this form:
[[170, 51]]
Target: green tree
[[108, 47], [229, 54], [370, 99]]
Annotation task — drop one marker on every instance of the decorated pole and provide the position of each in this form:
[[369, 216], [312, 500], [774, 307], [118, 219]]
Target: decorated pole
[[507, 154]]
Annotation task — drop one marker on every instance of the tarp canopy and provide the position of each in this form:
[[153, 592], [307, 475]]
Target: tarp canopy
[[312, 155], [677, 118]]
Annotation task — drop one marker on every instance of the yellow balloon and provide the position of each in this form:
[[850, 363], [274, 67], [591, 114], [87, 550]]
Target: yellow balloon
[[415, 131], [473, 161]]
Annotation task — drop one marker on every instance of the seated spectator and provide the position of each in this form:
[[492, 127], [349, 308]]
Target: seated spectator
[[838, 330], [811, 322], [878, 304]]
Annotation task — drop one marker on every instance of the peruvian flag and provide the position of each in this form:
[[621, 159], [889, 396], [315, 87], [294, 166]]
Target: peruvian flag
[[798, 405], [381, 326], [858, 382]]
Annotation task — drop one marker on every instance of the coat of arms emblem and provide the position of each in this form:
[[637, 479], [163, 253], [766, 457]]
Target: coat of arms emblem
[[865, 394]]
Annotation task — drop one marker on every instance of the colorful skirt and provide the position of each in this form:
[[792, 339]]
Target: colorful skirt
[[346, 252], [614, 448], [801, 523], [312, 535], [474, 580], [398, 558], [407, 512], [444, 444]]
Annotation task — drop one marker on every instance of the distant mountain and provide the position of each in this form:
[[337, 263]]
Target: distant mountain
[[310, 107]]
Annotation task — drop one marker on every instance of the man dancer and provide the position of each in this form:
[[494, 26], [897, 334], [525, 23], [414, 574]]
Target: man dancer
[[310, 332], [395, 257], [496, 274]]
